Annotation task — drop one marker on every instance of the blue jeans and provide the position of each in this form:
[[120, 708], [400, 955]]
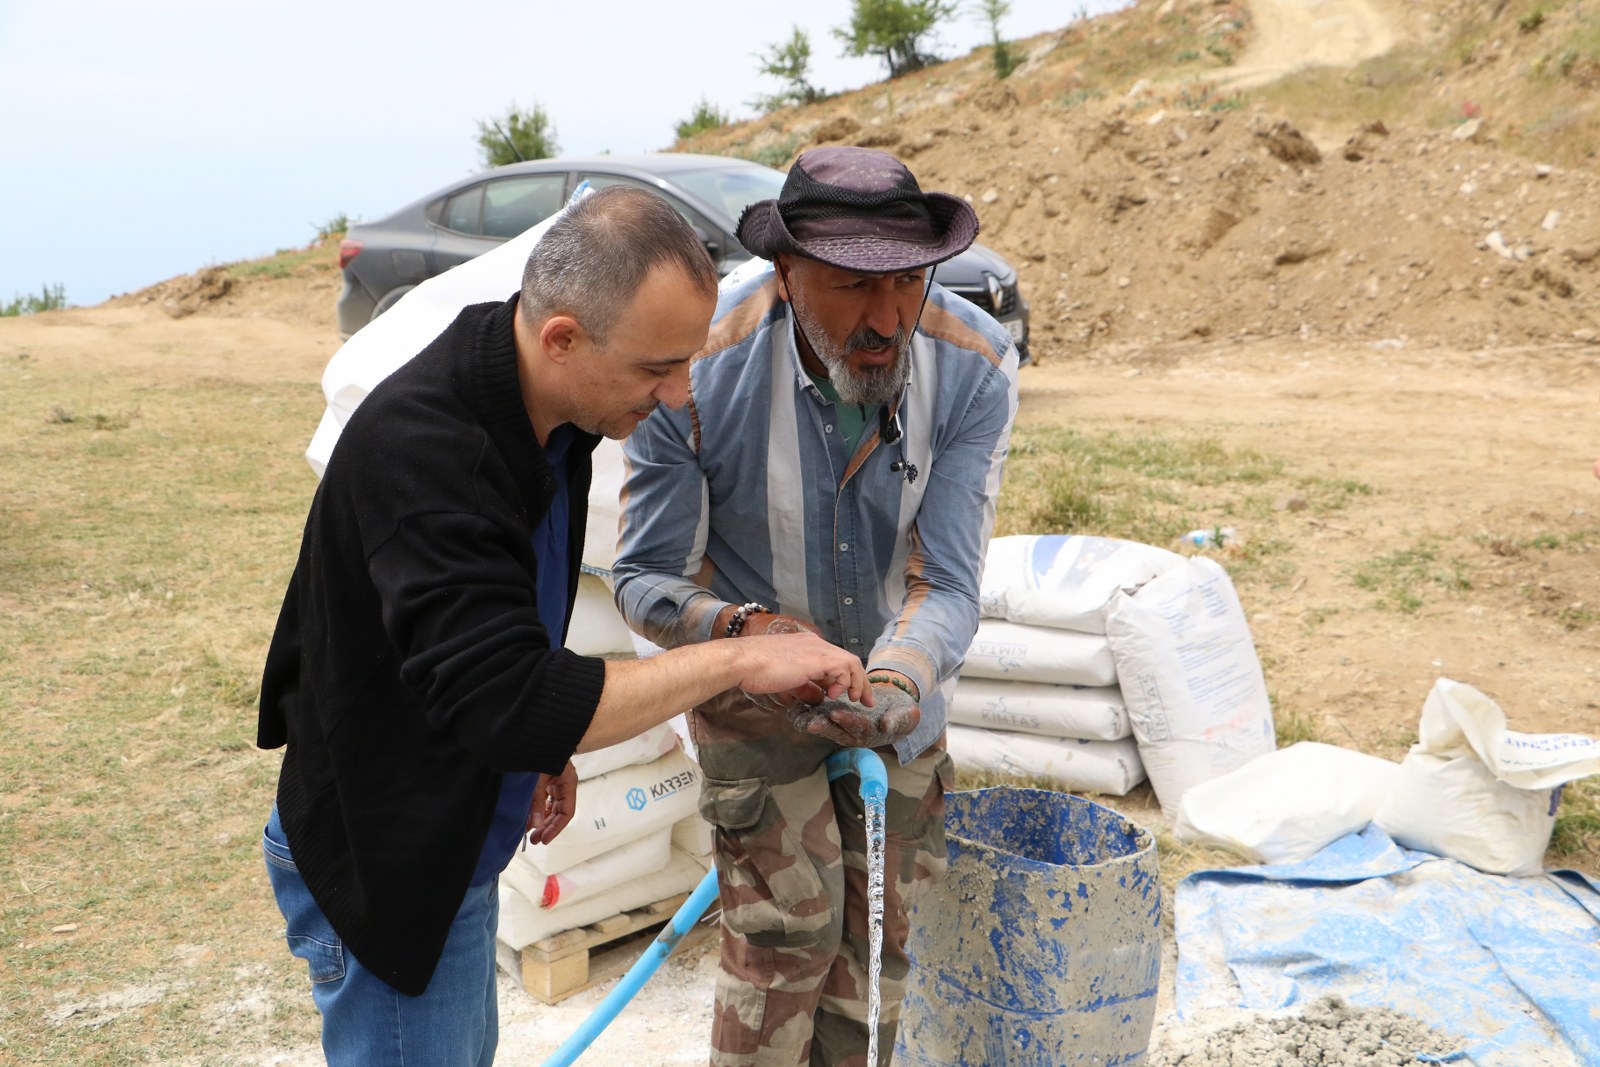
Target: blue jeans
[[365, 1021]]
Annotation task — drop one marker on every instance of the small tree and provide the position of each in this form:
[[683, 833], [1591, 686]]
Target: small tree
[[893, 31], [992, 11], [790, 62], [706, 117], [519, 136]]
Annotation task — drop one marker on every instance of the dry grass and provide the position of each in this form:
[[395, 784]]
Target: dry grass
[[145, 535]]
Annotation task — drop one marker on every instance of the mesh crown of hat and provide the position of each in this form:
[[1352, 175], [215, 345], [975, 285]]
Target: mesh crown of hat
[[811, 199]]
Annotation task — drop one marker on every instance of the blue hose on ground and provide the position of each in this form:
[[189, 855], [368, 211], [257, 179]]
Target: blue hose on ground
[[863, 762]]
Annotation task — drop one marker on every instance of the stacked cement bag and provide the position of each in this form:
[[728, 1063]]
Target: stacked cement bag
[[1196, 697], [1038, 694], [636, 837]]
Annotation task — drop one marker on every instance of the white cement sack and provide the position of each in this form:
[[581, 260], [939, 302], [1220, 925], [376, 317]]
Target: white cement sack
[[1190, 677], [605, 506], [1017, 653], [643, 748], [1454, 806], [522, 922], [1287, 805], [1085, 713], [1474, 791], [619, 807], [692, 833], [1075, 766], [1064, 581], [1458, 720], [597, 628], [608, 870]]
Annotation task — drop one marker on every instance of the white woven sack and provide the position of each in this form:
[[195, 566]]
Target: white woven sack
[[522, 922], [1064, 581], [692, 833], [1458, 720], [1075, 766], [643, 748], [608, 870], [1017, 653], [1287, 805], [597, 628], [1189, 674], [1086, 713], [1454, 806], [619, 807]]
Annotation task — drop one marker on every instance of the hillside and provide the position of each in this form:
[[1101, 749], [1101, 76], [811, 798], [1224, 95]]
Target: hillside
[[1145, 202], [1155, 184]]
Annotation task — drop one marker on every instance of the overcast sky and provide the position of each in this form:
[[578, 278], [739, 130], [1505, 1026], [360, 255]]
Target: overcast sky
[[144, 139]]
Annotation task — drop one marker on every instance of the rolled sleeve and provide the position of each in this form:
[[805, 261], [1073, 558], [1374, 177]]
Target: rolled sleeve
[[661, 547]]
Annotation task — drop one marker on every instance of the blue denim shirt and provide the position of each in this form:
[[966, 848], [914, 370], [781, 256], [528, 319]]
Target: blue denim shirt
[[749, 493]]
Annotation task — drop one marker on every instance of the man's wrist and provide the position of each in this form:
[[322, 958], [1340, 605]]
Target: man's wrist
[[735, 624], [896, 679]]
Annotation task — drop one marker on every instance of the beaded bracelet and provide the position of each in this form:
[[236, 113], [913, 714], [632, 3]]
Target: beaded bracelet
[[897, 683], [741, 613]]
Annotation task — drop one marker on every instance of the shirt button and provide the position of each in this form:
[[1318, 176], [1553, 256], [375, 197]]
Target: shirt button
[[855, 640], [849, 600], [844, 546], [827, 429]]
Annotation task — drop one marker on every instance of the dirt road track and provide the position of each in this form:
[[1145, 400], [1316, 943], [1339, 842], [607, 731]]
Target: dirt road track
[[1293, 34]]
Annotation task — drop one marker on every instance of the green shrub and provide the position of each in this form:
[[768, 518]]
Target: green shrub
[[51, 298], [706, 116]]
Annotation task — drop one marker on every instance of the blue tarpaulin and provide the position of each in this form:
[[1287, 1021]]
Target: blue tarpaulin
[[1511, 966]]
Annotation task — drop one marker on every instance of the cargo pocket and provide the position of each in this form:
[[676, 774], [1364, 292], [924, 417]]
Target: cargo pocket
[[920, 845], [771, 892]]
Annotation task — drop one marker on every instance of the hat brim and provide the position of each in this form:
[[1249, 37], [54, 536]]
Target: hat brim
[[763, 233]]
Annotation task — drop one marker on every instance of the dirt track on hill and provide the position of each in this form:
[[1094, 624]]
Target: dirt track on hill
[[1291, 34]]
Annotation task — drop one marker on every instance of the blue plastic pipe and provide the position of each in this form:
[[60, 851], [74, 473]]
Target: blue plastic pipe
[[864, 762], [867, 765]]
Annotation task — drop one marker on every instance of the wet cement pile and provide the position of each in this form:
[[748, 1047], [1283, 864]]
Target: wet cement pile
[[1330, 1033]]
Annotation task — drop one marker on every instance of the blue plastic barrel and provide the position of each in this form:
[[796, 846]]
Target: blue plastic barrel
[[1042, 946]]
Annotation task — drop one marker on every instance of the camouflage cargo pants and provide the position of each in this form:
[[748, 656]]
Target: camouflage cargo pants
[[792, 872]]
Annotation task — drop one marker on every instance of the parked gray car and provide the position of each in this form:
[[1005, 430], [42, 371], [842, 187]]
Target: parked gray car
[[383, 260]]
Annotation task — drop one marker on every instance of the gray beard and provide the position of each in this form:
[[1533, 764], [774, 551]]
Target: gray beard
[[879, 385]]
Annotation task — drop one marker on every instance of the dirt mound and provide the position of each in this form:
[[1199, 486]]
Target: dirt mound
[[1145, 205], [1144, 225], [296, 288]]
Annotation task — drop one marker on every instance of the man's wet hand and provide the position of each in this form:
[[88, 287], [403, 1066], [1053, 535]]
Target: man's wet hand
[[892, 715]]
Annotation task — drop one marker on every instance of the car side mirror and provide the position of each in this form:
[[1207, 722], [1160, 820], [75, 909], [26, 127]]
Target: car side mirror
[[713, 247]]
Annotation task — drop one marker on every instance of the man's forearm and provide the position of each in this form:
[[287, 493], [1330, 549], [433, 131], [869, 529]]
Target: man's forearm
[[638, 694]]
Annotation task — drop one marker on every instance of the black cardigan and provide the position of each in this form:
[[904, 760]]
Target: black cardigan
[[409, 668]]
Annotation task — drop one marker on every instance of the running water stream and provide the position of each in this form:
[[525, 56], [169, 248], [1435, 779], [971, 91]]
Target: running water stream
[[875, 859]]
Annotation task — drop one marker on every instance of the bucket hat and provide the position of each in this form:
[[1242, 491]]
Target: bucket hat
[[858, 209]]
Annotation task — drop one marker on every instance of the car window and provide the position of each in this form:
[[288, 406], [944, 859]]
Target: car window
[[732, 188], [600, 181], [463, 211], [511, 205]]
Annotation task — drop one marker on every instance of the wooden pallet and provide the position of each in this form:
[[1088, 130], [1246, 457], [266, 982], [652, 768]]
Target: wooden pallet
[[562, 964]]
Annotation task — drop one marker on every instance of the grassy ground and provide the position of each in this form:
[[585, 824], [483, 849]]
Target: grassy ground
[[145, 536], [146, 532]]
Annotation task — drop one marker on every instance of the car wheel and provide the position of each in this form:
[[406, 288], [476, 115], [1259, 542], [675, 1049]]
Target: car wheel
[[389, 300]]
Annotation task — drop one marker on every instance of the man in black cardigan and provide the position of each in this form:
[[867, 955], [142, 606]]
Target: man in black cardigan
[[416, 674]]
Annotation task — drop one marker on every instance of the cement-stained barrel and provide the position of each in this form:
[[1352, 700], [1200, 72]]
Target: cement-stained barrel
[[1042, 946]]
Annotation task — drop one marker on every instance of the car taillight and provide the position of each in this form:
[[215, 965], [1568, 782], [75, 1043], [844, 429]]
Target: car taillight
[[349, 249]]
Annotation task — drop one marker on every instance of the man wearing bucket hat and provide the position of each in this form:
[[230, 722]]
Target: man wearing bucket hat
[[835, 470]]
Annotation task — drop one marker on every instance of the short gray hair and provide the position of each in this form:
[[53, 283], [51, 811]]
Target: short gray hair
[[599, 251]]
